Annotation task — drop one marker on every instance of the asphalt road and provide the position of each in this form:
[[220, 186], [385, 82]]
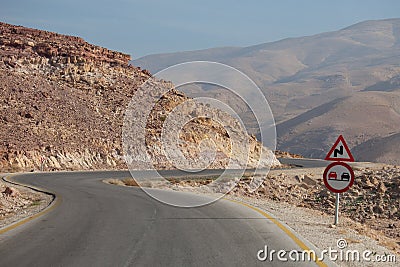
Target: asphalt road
[[96, 224], [305, 163]]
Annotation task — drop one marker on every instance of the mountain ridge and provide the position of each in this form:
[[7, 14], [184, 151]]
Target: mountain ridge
[[300, 75]]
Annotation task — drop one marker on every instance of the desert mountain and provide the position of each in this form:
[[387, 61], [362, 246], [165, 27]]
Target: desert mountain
[[342, 82], [63, 102]]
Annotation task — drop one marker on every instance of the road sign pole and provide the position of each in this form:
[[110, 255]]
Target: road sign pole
[[339, 176], [337, 209]]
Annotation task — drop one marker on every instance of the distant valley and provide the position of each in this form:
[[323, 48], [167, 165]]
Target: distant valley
[[342, 82]]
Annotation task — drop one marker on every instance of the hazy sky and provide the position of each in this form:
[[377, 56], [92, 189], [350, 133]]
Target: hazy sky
[[148, 27]]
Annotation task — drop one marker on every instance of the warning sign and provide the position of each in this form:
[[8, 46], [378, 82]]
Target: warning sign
[[340, 151]]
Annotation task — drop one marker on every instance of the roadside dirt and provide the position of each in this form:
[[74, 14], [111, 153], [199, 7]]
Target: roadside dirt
[[316, 227], [18, 202]]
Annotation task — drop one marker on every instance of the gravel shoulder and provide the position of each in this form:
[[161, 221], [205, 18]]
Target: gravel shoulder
[[19, 202], [298, 198], [316, 228]]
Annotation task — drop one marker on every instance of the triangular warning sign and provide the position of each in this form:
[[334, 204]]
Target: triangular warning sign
[[340, 151]]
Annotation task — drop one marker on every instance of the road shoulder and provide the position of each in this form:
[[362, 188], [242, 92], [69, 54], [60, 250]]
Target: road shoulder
[[316, 228], [23, 203]]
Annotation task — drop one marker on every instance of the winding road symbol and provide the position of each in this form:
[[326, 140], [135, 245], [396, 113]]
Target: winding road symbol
[[340, 151]]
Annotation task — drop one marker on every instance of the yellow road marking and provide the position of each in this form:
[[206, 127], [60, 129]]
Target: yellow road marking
[[53, 205], [284, 229], [57, 202]]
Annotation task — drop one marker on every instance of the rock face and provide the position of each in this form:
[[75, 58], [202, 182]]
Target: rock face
[[62, 103]]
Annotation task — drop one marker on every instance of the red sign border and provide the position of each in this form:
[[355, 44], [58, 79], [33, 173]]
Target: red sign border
[[352, 176], [340, 138]]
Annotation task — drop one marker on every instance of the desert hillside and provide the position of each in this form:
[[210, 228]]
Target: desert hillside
[[341, 82], [63, 102]]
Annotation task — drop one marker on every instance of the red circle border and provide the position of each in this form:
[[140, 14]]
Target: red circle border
[[352, 176]]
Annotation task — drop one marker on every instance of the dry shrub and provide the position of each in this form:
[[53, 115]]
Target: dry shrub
[[130, 182], [114, 181]]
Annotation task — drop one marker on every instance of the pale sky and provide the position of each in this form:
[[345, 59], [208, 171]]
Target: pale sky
[[148, 27]]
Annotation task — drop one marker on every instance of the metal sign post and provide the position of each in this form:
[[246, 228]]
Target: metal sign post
[[337, 209], [338, 176]]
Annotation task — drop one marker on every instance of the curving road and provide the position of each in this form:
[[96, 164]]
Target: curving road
[[305, 163], [96, 224]]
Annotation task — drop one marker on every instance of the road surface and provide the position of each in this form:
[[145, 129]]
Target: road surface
[[96, 224], [305, 163]]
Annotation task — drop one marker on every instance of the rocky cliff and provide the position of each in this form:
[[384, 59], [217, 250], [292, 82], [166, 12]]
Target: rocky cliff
[[63, 102]]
